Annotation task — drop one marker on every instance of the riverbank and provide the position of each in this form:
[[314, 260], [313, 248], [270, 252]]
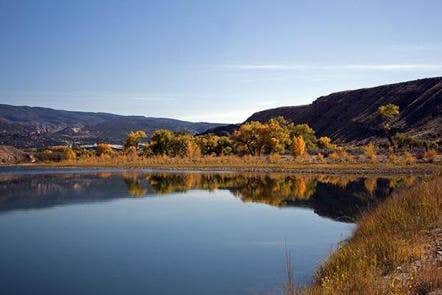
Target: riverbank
[[396, 248], [249, 164]]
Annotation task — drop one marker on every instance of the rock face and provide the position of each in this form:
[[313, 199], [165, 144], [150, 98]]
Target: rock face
[[11, 155], [351, 116], [24, 126]]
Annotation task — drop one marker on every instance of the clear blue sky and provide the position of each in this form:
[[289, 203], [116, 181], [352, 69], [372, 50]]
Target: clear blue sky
[[209, 60]]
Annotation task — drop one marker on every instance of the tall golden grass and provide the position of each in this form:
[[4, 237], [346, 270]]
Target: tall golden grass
[[277, 163], [387, 238]]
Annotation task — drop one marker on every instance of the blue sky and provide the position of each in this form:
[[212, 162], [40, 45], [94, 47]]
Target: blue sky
[[208, 60]]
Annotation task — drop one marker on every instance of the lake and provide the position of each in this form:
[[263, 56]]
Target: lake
[[85, 231]]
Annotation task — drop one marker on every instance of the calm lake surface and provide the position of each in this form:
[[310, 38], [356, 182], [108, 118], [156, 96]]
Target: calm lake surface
[[138, 232]]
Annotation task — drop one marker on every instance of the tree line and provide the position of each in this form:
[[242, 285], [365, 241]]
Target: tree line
[[276, 136]]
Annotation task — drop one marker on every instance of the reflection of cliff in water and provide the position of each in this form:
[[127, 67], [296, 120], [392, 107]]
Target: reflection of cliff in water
[[338, 197]]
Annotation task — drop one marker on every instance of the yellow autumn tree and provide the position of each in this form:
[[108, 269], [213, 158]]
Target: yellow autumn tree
[[298, 146], [133, 138]]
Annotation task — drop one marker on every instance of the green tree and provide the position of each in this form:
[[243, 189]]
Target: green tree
[[214, 145], [224, 146], [208, 144], [307, 133], [160, 141], [183, 145]]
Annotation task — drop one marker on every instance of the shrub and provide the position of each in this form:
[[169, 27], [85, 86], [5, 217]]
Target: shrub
[[430, 155], [131, 153], [324, 142], [69, 154], [320, 158], [298, 146], [393, 158], [340, 155], [104, 149], [408, 158], [370, 152]]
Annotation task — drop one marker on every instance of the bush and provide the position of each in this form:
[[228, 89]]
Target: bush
[[430, 155], [324, 142], [408, 158], [131, 153], [370, 152], [298, 146], [69, 154], [341, 155], [104, 149], [393, 158]]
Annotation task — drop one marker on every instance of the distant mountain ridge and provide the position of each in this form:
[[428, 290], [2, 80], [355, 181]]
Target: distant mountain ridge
[[351, 116], [24, 126]]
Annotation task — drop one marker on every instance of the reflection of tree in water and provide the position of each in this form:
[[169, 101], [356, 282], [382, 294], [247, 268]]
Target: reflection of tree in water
[[134, 186], [271, 189], [274, 190], [172, 183], [339, 197]]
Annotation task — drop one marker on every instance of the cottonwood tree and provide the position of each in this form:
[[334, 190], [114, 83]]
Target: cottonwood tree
[[248, 138], [388, 113], [183, 145], [133, 138], [160, 141]]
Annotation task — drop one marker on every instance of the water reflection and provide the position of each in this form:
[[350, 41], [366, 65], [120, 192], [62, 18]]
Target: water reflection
[[338, 197]]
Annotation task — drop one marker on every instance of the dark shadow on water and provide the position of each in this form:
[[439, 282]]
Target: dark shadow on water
[[341, 198]]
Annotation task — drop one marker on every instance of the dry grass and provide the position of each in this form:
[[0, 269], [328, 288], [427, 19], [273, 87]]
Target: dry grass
[[317, 164], [386, 238]]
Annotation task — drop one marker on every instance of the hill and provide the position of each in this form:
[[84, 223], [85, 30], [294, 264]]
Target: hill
[[351, 116], [24, 126]]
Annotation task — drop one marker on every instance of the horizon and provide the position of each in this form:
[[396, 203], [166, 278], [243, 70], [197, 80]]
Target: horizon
[[209, 62], [226, 123]]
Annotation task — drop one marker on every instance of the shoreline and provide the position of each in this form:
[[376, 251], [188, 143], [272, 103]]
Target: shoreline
[[331, 169]]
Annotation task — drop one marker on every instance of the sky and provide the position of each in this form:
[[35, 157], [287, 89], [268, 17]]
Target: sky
[[203, 60]]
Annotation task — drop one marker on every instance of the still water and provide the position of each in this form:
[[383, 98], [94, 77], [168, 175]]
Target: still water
[[139, 232]]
